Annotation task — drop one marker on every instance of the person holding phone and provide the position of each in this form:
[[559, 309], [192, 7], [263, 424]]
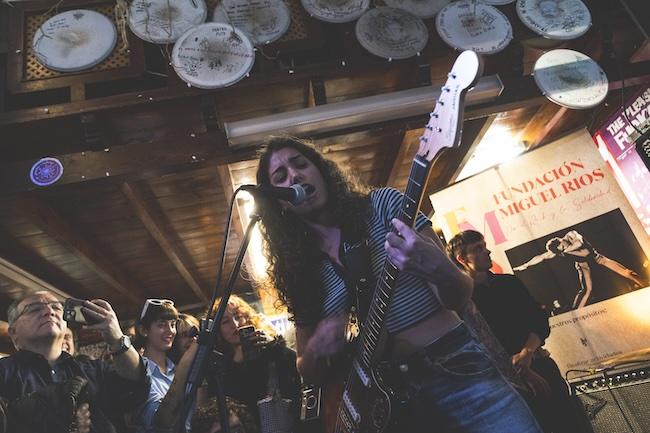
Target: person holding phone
[[45, 387], [252, 352]]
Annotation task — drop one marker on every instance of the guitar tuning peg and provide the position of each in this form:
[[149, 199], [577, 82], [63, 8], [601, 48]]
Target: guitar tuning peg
[[425, 139], [434, 115], [451, 75], [439, 129]]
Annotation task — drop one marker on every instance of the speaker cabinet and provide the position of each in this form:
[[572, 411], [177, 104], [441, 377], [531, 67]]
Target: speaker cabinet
[[616, 400]]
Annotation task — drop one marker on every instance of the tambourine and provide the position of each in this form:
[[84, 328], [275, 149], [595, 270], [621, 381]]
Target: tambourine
[[571, 79], [164, 21], [475, 26], [391, 33], [74, 40], [213, 55], [264, 21], [555, 19]]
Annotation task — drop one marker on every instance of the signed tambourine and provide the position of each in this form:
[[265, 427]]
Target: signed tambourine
[[497, 2], [555, 19], [571, 79], [164, 21], [335, 11], [476, 26], [264, 21], [213, 55], [74, 40], [419, 8], [391, 33]]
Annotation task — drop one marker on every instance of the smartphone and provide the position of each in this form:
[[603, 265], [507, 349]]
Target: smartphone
[[249, 349], [73, 312]]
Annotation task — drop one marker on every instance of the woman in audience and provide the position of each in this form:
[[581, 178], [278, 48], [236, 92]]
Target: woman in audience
[[156, 331], [253, 354]]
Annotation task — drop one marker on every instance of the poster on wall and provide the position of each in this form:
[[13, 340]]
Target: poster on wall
[[615, 139], [557, 219]]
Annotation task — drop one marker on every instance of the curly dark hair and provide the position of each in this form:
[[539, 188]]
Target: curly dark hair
[[553, 245], [292, 247]]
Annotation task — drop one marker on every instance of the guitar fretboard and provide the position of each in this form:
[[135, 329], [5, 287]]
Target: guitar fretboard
[[373, 329]]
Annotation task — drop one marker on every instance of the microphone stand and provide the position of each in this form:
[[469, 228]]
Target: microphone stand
[[208, 338]]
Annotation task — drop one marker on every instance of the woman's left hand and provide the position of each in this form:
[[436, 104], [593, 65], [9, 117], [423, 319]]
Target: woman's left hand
[[412, 252]]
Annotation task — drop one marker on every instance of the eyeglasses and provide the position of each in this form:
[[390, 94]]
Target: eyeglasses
[[37, 307], [156, 302]]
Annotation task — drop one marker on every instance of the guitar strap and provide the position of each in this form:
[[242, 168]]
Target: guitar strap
[[358, 278]]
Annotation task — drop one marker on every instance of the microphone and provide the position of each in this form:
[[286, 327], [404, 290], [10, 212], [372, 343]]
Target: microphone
[[295, 194]]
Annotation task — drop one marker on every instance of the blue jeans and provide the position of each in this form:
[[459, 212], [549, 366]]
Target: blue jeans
[[455, 387]]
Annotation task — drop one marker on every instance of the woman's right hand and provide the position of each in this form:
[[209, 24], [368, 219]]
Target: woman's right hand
[[328, 338]]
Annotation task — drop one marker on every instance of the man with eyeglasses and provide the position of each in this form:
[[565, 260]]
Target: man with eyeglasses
[[45, 387]]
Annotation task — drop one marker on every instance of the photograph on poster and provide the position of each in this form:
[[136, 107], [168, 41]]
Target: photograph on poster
[[582, 264]]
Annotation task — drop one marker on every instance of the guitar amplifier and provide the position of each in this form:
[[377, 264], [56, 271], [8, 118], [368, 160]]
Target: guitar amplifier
[[616, 400]]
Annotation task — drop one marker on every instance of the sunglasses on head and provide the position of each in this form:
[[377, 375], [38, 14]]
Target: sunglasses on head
[[156, 302]]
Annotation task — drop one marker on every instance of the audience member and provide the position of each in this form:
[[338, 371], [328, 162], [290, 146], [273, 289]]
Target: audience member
[[48, 390]]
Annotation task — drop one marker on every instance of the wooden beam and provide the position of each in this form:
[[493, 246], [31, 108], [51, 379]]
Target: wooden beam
[[161, 233], [400, 154], [28, 280], [451, 161], [541, 124], [90, 255], [132, 161]]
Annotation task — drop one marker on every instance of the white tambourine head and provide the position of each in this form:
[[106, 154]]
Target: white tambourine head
[[74, 40]]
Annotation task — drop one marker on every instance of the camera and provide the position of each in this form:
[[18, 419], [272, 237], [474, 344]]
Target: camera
[[73, 312], [310, 403]]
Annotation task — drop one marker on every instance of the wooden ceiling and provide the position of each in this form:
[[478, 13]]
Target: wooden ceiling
[[141, 209]]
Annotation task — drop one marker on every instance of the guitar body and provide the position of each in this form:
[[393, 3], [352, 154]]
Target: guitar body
[[364, 402], [351, 406]]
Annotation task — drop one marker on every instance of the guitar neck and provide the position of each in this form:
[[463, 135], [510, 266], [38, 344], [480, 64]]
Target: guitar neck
[[371, 337]]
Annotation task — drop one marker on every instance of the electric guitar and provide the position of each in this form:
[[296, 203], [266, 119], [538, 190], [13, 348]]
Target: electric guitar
[[367, 403]]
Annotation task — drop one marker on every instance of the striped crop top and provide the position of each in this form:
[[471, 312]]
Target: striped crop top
[[413, 299]]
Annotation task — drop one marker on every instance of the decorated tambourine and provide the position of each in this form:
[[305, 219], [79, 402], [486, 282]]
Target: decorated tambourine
[[336, 11], [570, 79], [74, 40], [391, 33], [476, 26], [263, 20], [419, 8], [497, 2], [213, 55], [555, 19], [164, 21], [46, 171]]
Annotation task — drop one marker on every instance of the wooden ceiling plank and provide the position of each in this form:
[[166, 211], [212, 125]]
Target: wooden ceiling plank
[[541, 124], [399, 155], [28, 280], [162, 235], [90, 255]]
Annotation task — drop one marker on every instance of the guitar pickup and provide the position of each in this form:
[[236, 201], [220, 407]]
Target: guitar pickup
[[361, 373], [351, 410]]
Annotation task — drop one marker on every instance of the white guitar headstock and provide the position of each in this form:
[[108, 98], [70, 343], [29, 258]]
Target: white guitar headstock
[[443, 129]]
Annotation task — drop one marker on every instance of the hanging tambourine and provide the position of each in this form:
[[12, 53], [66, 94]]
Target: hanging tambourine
[[213, 55], [419, 8], [555, 19], [391, 33], [74, 40], [571, 79], [164, 21], [472, 25], [264, 21], [335, 11], [498, 2]]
